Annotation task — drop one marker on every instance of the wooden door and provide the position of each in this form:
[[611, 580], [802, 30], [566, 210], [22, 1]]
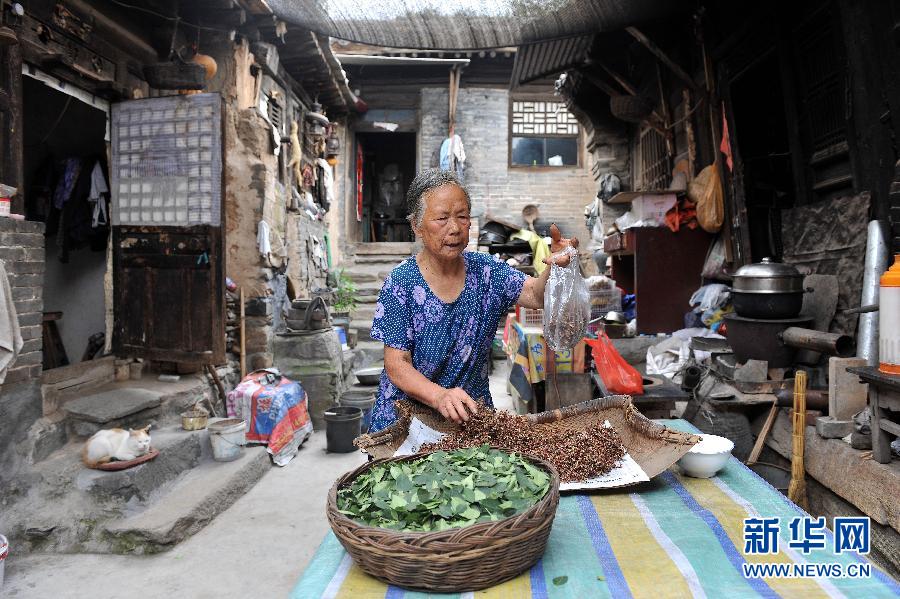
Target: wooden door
[[11, 121], [168, 252]]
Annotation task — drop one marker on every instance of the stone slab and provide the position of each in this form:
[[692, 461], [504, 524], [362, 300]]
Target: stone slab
[[179, 450], [113, 405], [830, 428], [846, 394], [753, 371], [189, 505]]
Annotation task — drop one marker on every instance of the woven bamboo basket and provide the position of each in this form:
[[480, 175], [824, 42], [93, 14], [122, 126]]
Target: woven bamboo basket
[[450, 561]]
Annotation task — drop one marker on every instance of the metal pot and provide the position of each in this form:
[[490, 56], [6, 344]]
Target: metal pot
[[767, 289]]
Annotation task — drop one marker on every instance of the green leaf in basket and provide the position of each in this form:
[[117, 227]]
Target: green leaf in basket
[[560, 580], [471, 513], [403, 483]]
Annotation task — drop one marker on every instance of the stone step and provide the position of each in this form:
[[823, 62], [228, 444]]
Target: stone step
[[189, 504], [136, 403], [387, 262], [120, 408], [374, 350], [384, 248], [179, 450]]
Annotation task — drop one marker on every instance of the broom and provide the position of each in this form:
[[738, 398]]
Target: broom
[[797, 488]]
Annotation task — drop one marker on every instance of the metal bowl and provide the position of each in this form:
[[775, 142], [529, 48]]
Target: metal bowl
[[194, 420], [369, 376]]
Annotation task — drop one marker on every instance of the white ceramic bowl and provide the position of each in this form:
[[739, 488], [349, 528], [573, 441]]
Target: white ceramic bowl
[[707, 457]]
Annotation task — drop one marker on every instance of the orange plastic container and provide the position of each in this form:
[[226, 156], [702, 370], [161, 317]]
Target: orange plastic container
[[889, 319]]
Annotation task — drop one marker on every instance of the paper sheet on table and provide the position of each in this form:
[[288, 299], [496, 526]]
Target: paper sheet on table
[[627, 472]]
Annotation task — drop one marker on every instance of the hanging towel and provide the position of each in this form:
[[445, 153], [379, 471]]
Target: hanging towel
[[10, 335], [328, 181], [97, 196], [262, 238], [539, 248], [453, 155]]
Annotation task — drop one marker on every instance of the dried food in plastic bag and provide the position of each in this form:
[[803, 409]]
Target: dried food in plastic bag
[[567, 305]]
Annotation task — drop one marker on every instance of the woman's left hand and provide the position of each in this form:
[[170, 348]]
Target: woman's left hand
[[558, 244]]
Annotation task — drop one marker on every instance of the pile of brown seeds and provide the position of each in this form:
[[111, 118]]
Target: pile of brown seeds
[[577, 455]]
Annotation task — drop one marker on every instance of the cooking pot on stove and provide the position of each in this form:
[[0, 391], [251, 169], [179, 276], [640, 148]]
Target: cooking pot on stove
[[767, 289]]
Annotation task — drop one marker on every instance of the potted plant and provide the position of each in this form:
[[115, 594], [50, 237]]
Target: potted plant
[[344, 299]]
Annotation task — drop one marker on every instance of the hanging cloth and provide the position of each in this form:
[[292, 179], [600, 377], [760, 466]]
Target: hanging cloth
[[327, 182], [10, 334], [97, 196], [359, 183], [262, 239], [725, 145], [453, 155]]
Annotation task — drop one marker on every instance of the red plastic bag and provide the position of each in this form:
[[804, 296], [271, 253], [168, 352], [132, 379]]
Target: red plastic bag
[[618, 376]]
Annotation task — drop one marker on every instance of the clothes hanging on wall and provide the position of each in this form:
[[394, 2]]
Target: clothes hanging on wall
[[72, 197], [326, 176], [453, 156], [10, 334]]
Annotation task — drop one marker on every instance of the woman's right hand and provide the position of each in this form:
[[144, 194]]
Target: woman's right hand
[[455, 404]]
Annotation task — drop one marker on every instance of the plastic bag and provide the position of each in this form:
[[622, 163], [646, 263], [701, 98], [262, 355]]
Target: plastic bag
[[706, 191], [567, 305], [619, 377]]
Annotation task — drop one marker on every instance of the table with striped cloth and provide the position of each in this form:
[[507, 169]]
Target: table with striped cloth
[[675, 536]]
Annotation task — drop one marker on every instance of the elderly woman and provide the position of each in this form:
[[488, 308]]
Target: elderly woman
[[438, 311]]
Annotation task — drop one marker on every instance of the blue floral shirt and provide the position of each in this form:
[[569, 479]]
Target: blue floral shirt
[[450, 343]]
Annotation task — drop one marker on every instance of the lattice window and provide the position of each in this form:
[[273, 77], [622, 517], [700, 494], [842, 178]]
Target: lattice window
[[167, 161], [654, 163], [542, 133], [539, 117]]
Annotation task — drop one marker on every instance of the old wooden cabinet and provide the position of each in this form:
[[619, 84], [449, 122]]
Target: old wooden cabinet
[[662, 269]]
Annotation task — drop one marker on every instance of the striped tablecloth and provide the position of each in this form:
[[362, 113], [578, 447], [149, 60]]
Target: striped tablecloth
[[673, 537]]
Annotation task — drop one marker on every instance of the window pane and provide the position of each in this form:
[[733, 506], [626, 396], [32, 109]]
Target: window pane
[[528, 151], [566, 148]]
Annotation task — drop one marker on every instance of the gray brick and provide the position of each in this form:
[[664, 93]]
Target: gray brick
[[32, 345], [30, 332], [32, 305], [24, 293], [30, 358], [26, 280], [26, 267], [31, 319]]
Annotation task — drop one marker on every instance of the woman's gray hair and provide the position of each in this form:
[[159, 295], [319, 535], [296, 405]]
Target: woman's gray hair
[[425, 182]]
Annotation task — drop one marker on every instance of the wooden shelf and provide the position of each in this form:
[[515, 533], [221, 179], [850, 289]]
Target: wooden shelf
[[626, 197]]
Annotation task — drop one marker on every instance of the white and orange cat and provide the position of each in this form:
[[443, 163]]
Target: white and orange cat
[[115, 444]]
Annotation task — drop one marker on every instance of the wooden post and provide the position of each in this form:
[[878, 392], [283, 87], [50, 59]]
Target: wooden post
[[243, 335]]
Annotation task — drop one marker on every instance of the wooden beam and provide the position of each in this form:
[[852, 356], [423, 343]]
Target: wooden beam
[[657, 51], [620, 79]]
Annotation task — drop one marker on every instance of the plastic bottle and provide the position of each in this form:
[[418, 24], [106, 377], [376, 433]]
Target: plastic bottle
[[889, 318]]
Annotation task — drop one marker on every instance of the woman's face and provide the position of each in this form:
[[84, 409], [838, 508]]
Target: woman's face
[[445, 227]]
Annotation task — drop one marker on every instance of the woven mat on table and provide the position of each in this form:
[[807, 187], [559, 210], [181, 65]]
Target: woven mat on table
[[673, 537]]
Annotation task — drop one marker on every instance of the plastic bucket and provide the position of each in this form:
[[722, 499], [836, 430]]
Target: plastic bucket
[[342, 425], [364, 400], [227, 437], [4, 552]]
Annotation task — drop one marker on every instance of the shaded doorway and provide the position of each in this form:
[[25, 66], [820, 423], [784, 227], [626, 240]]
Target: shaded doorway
[[389, 166], [66, 187]]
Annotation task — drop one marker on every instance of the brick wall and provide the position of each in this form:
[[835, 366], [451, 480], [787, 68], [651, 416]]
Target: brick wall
[[22, 251], [483, 124]]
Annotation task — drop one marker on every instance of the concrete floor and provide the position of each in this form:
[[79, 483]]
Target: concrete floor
[[258, 547]]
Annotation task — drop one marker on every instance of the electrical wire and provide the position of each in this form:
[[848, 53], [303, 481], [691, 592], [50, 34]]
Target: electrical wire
[[150, 11], [59, 119]]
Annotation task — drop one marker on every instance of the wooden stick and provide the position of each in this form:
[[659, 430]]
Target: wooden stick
[[215, 377], [243, 336], [763, 434], [657, 51], [689, 133], [797, 488]]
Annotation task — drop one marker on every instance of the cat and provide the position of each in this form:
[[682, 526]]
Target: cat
[[115, 444]]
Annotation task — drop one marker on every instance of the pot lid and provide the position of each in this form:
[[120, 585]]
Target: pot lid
[[767, 269]]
